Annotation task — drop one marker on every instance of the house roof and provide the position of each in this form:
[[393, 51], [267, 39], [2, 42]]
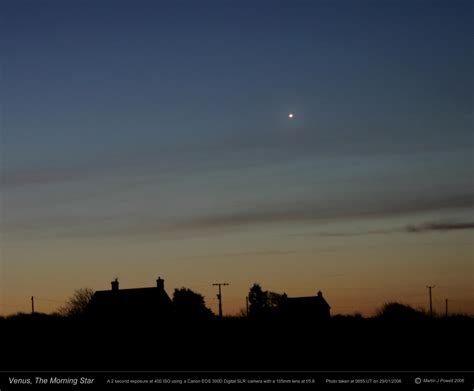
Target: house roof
[[308, 301], [137, 299]]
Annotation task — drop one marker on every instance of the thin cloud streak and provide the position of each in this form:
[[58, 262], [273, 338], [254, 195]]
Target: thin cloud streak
[[41, 176], [310, 212], [439, 226], [261, 147], [412, 228]]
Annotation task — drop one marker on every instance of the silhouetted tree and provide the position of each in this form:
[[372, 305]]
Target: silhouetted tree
[[190, 304], [77, 303], [258, 301], [275, 300], [264, 303]]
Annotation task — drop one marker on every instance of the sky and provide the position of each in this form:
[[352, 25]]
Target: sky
[[151, 138]]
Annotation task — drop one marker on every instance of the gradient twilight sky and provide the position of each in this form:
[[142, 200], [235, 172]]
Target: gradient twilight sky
[[151, 138]]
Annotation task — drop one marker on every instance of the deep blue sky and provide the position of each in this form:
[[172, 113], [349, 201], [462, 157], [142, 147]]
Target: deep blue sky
[[170, 116], [88, 79]]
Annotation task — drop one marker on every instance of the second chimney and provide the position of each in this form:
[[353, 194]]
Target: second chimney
[[160, 284], [115, 285]]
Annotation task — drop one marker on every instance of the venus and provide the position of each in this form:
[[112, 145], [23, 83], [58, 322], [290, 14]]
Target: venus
[[290, 116]]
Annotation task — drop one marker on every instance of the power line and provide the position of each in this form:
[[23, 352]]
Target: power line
[[51, 300], [13, 305]]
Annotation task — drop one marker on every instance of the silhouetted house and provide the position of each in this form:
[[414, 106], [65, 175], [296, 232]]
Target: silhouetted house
[[306, 308], [134, 303]]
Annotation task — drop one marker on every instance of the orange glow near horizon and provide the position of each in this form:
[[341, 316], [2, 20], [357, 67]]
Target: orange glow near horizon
[[356, 274]]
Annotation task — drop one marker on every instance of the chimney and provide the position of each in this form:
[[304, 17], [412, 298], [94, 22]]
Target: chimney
[[115, 285], [160, 284], [320, 294]]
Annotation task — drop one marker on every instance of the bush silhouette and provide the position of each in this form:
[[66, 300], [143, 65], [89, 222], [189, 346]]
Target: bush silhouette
[[397, 311], [77, 303]]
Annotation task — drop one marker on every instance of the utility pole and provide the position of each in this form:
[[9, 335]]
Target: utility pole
[[431, 301], [219, 295], [32, 305], [446, 302]]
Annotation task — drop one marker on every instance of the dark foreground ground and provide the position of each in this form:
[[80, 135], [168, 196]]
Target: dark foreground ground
[[33, 343]]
